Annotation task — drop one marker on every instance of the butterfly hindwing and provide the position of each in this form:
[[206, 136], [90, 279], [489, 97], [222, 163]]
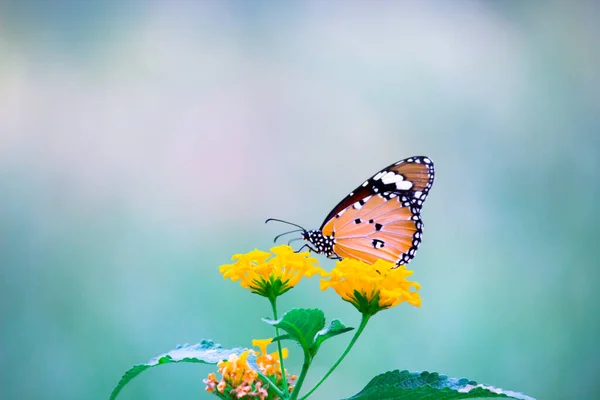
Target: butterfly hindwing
[[391, 232]]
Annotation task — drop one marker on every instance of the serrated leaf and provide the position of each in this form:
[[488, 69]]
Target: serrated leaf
[[307, 327], [405, 385], [205, 352], [336, 327], [302, 325]]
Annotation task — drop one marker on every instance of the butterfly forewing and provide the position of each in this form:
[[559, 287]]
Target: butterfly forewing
[[381, 218]]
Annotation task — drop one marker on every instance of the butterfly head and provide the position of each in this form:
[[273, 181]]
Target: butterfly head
[[316, 241]]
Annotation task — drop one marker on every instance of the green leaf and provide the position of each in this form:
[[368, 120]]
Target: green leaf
[[302, 325], [307, 327], [336, 327], [205, 352], [404, 385], [282, 337]]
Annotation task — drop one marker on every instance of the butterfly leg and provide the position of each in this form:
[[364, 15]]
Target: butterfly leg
[[309, 248]]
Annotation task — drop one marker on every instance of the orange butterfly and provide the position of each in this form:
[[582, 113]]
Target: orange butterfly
[[379, 219]]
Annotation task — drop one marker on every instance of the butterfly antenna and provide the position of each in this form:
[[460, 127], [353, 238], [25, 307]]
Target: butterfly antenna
[[286, 233], [285, 222]]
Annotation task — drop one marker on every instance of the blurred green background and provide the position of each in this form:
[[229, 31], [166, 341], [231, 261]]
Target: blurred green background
[[144, 143]]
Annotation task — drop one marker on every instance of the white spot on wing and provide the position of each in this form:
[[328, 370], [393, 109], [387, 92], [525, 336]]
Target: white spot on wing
[[379, 175], [391, 177], [404, 185]]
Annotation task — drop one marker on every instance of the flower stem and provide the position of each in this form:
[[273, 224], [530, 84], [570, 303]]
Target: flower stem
[[363, 323], [305, 366], [272, 385], [273, 301]]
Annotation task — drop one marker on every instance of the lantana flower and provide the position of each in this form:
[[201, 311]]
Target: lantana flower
[[372, 288], [239, 380], [270, 274], [270, 365]]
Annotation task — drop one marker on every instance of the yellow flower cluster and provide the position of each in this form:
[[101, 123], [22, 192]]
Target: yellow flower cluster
[[271, 274], [270, 365], [239, 380], [372, 288]]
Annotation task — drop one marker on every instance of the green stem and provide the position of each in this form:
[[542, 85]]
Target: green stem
[[305, 366], [363, 323], [219, 395], [283, 377], [272, 385]]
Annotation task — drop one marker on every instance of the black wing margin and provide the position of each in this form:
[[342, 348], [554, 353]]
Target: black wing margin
[[409, 179]]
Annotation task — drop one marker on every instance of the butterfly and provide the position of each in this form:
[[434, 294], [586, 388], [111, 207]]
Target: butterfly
[[380, 219]]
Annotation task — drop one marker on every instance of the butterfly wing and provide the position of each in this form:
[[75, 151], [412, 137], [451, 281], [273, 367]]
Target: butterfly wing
[[381, 218]]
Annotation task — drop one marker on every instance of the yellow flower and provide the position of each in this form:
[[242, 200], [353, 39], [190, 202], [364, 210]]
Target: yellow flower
[[262, 344], [236, 370], [270, 365], [239, 380], [211, 382], [372, 288], [271, 274]]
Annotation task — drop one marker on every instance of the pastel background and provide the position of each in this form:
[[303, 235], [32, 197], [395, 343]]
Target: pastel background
[[144, 143]]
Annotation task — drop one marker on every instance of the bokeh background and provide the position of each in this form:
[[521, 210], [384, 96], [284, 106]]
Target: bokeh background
[[144, 143]]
